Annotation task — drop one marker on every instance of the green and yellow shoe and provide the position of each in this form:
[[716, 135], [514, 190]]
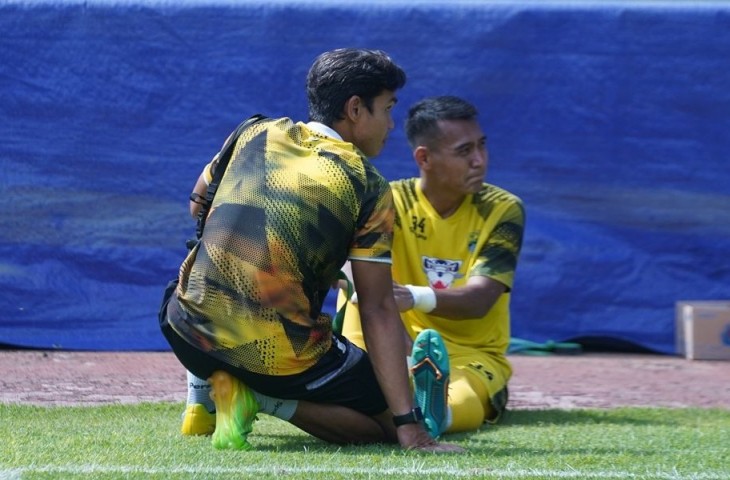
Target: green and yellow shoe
[[236, 409]]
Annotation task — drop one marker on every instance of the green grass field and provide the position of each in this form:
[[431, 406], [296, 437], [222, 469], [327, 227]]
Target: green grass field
[[142, 441]]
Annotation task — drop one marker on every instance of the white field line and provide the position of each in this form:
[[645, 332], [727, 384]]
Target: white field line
[[17, 473]]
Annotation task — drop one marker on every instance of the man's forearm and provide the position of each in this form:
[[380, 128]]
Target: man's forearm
[[383, 333]]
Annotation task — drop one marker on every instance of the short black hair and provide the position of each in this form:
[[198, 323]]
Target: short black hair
[[422, 121], [337, 75]]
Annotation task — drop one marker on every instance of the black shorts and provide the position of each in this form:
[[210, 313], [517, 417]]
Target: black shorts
[[343, 376]]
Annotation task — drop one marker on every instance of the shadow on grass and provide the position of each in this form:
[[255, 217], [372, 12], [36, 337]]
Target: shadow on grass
[[585, 417], [300, 442], [304, 443]]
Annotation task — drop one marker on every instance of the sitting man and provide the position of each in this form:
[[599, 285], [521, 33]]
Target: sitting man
[[455, 250]]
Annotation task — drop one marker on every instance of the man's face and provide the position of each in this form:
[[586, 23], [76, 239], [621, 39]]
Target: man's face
[[371, 131], [459, 156]]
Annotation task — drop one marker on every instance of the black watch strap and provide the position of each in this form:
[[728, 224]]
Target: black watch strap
[[414, 416]]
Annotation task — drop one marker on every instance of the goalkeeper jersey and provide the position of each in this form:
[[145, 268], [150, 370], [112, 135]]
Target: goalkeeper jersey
[[483, 237], [293, 206]]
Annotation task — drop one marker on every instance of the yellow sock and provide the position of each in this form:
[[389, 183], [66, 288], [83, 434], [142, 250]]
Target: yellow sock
[[467, 401]]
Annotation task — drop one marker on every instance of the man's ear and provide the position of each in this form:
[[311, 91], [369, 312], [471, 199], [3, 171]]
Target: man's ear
[[353, 108], [420, 155]]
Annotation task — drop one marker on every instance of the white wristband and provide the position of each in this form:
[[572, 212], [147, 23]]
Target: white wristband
[[424, 298]]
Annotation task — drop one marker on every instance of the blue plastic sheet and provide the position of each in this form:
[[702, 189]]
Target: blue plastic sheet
[[609, 119]]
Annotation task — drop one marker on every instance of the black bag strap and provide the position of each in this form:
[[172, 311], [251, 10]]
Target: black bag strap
[[224, 156]]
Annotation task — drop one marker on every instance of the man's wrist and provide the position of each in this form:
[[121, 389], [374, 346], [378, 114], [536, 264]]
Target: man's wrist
[[414, 416], [424, 298]]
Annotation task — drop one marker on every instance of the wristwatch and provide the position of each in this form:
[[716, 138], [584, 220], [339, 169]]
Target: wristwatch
[[414, 416]]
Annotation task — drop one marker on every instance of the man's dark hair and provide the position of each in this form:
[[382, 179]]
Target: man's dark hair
[[422, 121], [339, 74]]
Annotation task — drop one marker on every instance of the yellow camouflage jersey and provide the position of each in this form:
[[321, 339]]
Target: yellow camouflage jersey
[[292, 207], [482, 238]]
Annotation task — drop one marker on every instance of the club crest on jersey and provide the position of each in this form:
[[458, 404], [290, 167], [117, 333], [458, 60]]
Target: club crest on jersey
[[441, 273]]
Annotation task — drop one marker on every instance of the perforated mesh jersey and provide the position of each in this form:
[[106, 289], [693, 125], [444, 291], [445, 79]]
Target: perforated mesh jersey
[[292, 206]]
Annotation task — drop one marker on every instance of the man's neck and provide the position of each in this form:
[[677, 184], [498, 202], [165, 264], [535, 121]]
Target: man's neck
[[444, 203]]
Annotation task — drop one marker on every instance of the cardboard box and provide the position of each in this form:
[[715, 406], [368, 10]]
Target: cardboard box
[[703, 329]]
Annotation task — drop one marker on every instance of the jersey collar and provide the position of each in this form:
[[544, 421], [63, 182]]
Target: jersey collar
[[324, 130]]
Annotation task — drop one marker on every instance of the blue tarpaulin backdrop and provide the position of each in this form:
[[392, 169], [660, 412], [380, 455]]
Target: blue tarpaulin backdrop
[[610, 119]]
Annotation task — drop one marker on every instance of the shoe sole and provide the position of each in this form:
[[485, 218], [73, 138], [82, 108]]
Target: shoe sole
[[430, 372], [236, 411]]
